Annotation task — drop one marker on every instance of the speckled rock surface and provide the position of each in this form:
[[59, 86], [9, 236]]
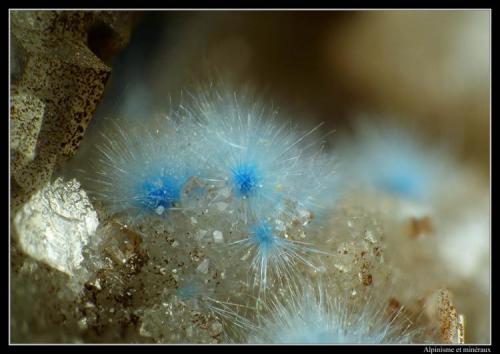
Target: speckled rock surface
[[57, 77], [56, 83]]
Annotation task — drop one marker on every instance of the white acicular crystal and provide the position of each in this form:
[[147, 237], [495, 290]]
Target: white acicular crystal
[[55, 225]]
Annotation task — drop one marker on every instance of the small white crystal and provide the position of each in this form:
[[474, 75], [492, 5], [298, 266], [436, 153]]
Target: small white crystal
[[225, 192], [280, 225], [218, 236], [160, 210], [189, 331], [83, 323], [320, 269], [303, 213], [246, 255], [340, 267], [203, 267], [305, 216], [221, 206], [215, 328], [143, 331], [200, 234], [369, 236]]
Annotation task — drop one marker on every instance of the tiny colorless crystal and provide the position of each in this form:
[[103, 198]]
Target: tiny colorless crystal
[[221, 206], [218, 236], [203, 267], [200, 234]]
